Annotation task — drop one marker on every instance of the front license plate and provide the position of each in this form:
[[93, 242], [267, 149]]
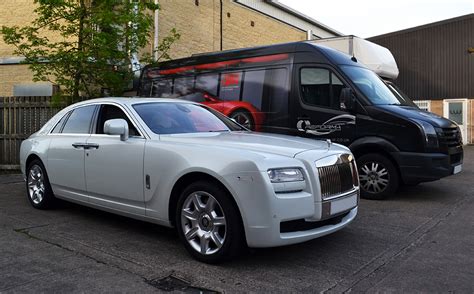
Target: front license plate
[[457, 169], [346, 203]]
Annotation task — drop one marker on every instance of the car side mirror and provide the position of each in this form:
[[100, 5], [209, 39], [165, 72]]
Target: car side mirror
[[117, 126], [347, 99]]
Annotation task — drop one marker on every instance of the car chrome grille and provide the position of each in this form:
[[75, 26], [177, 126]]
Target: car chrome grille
[[450, 137], [337, 179]]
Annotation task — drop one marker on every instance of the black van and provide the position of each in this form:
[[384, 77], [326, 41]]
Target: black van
[[309, 90]]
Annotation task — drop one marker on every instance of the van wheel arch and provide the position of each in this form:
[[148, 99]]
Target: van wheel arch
[[376, 145]]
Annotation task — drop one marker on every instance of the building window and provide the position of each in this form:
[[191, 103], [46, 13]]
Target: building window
[[423, 104]]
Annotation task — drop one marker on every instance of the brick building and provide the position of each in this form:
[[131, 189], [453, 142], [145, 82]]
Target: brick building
[[436, 63], [204, 25]]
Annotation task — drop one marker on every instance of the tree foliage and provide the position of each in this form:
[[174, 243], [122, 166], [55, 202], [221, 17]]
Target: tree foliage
[[86, 45]]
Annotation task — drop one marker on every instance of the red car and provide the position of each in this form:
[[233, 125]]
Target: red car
[[242, 112]]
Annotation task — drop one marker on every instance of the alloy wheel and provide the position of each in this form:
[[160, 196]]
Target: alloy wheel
[[36, 187], [203, 223], [374, 177]]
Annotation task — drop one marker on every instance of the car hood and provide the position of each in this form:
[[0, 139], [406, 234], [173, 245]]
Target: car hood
[[411, 112], [257, 142]]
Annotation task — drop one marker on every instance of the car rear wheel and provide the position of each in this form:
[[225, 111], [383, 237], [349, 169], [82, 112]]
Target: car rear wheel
[[208, 223], [38, 189], [377, 175], [244, 118]]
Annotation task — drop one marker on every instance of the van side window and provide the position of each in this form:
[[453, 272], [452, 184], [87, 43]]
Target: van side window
[[231, 85], [277, 97], [183, 86], [207, 83], [162, 88], [320, 87], [254, 82]]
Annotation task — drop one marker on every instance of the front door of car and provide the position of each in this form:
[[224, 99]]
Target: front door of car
[[65, 165], [318, 108], [114, 168]]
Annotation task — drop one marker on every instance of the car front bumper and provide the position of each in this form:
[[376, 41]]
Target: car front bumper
[[275, 219]]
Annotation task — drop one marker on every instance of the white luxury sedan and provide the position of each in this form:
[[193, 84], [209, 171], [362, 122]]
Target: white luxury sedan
[[183, 165]]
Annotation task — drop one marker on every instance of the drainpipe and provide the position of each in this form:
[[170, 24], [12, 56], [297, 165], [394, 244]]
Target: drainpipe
[[134, 60], [309, 35], [155, 37], [221, 22]]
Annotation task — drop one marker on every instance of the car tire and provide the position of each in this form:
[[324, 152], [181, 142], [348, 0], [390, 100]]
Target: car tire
[[38, 188], [377, 175], [208, 223], [244, 118]]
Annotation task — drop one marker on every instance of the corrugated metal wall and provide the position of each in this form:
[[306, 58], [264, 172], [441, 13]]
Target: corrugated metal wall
[[434, 61]]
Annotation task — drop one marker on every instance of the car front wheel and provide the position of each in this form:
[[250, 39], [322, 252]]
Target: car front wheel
[[208, 223]]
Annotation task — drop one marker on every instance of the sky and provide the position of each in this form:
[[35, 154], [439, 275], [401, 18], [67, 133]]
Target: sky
[[367, 18]]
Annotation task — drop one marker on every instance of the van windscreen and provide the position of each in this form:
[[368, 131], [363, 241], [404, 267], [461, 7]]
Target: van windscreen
[[372, 86]]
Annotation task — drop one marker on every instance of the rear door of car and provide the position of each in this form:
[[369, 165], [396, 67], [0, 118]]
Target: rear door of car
[[114, 168], [66, 153]]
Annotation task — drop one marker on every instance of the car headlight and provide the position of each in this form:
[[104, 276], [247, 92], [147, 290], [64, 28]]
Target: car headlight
[[287, 180], [284, 175], [431, 137]]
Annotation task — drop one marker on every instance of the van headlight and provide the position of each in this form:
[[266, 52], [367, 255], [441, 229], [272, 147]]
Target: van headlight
[[431, 137], [283, 175], [287, 180]]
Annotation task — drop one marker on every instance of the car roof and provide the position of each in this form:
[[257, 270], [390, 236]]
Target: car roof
[[132, 100]]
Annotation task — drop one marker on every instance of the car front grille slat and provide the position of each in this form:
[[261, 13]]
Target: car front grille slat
[[336, 179]]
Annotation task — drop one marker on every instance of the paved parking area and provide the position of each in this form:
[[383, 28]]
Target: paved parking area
[[420, 240]]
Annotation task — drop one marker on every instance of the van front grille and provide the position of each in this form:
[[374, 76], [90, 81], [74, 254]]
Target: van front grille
[[450, 137], [337, 179]]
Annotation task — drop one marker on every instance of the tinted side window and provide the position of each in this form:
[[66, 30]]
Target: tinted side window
[[254, 82], [230, 86], [320, 87], [208, 83], [315, 86], [277, 97], [79, 121], [183, 86], [162, 88], [112, 112], [57, 128]]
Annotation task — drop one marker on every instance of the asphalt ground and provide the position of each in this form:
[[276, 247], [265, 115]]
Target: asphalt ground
[[421, 240]]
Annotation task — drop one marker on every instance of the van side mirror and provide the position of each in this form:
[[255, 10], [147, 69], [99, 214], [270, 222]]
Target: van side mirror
[[347, 99], [117, 126]]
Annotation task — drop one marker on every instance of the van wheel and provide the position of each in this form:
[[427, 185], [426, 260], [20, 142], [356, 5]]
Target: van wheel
[[377, 175], [244, 118], [38, 189], [208, 223]]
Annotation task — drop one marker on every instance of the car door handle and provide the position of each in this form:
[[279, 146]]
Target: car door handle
[[86, 145], [91, 146], [79, 145]]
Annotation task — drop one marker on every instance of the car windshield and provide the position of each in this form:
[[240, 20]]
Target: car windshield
[[179, 118], [372, 86]]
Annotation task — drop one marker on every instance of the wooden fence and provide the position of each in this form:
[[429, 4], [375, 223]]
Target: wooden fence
[[20, 117]]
